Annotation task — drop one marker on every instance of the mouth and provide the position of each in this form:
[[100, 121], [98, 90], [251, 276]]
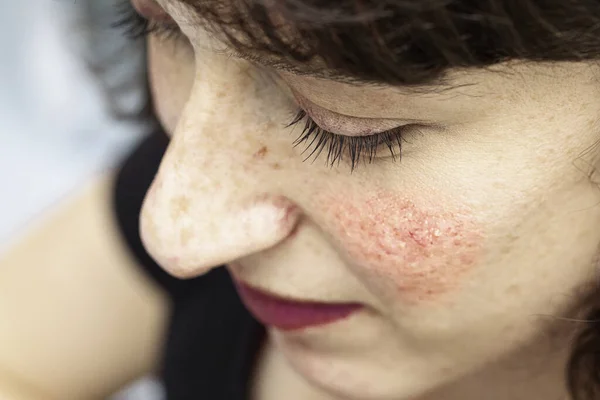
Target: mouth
[[289, 315]]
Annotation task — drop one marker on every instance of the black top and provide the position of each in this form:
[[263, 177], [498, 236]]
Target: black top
[[211, 341]]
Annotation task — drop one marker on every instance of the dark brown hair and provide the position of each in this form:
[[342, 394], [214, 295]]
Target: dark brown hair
[[408, 42], [414, 43]]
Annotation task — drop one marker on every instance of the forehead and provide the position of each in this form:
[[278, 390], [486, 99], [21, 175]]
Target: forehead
[[469, 87], [266, 37]]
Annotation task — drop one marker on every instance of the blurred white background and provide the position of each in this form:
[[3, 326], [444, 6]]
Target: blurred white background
[[57, 128]]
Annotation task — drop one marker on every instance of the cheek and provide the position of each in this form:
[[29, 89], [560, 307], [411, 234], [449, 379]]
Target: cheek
[[171, 74], [420, 253]]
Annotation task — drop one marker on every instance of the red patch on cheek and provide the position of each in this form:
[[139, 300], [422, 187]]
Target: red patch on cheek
[[424, 252]]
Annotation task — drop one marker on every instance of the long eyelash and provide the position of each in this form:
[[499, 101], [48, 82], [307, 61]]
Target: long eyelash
[[356, 147], [135, 26]]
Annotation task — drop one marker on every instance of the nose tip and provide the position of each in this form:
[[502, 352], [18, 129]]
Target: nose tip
[[212, 234]]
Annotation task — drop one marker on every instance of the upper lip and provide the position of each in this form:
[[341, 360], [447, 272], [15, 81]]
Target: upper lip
[[290, 314], [286, 299], [283, 298], [234, 269]]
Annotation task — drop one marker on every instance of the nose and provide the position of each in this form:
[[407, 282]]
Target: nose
[[212, 200]]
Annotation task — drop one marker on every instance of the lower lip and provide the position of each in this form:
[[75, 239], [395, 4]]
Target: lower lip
[[288, 315]]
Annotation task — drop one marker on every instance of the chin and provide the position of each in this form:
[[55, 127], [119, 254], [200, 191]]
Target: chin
[[348, 377]]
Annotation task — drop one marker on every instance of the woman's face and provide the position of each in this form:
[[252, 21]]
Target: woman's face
[[462, 253]]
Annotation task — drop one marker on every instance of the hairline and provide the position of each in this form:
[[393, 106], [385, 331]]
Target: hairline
[[440, 84]]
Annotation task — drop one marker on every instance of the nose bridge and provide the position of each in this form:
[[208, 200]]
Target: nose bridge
[[204, 207], [225, 114], [216, 132]]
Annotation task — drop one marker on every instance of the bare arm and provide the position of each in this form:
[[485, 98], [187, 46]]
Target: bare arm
[[78, 320]]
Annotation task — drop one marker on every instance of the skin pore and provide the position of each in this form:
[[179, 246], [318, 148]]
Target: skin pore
[[423, 251], [468, 254]]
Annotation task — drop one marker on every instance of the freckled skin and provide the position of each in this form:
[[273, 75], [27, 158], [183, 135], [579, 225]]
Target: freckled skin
[[180, 206], [424, 251], [463, 322], [261, 153]]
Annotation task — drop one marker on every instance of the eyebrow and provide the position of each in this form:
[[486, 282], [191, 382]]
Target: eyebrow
[[438, 86], [307, 69], [314, 70]]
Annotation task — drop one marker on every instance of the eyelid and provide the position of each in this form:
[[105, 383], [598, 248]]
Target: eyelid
[[344, 124], [339, 147]]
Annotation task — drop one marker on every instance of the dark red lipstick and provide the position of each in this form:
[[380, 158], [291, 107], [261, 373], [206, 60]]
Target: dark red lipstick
[[285, 314]]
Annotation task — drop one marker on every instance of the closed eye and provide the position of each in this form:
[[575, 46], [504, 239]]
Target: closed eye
[[338, 147]]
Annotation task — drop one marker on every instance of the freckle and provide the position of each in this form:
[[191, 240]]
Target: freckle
[[276, 166], [261, 153], [179, 206]]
